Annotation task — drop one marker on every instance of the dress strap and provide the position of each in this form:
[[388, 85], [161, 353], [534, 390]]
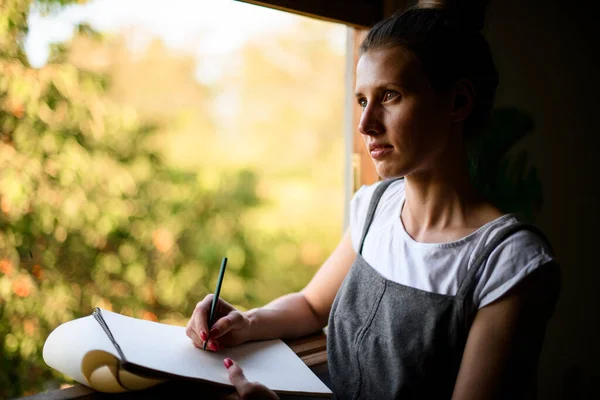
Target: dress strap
[[372, 207], [465, 291]]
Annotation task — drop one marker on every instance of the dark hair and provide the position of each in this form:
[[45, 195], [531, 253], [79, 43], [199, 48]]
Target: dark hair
[[449, 45]]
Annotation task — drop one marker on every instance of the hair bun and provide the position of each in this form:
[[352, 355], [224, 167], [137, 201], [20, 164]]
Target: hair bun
[[465, 14]]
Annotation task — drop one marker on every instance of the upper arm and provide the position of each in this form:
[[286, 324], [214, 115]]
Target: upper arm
[[323, 287], [502, 350]]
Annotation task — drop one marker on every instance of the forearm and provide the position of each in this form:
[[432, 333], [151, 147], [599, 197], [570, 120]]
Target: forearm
[[286, 317], [299, 314]]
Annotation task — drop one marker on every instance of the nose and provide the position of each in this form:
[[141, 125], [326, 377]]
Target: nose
[[370, 121]]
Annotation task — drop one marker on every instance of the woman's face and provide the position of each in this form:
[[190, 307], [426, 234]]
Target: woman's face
[[406, 125]]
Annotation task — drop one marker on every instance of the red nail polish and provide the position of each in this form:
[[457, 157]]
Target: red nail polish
[[228, 363], [213, 346], [203, 336]]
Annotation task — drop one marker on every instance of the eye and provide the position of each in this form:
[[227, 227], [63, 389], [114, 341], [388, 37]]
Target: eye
[[390, 95], [362, 102]]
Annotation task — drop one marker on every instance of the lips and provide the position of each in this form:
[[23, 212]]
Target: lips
[[378, 150]]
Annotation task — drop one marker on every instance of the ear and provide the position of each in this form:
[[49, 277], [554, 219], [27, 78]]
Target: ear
[[463, 100]]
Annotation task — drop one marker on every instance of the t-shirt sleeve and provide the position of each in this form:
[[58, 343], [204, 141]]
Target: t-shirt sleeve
[[511, 262]]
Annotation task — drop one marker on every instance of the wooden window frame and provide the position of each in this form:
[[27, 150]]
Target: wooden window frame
[[355, 13]]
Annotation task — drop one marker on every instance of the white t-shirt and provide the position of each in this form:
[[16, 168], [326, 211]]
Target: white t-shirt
[[441, 267]]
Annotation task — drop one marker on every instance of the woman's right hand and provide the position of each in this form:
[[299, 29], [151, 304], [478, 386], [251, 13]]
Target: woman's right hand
[[231, 327]]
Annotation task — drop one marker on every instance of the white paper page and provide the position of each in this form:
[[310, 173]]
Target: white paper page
[[167, 348], [66, 346]]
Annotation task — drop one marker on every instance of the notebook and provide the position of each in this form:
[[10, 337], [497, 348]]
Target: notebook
[[114, 353]]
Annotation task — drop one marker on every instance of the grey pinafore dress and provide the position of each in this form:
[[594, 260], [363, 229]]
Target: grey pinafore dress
[[386, 340]]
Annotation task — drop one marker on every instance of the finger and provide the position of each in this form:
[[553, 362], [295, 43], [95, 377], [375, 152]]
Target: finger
[[192, 335], [235, 320], [201, 317], [244, 388], [213, 344], [236, 375]]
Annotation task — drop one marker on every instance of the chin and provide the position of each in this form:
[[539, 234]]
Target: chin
[[385, 172]]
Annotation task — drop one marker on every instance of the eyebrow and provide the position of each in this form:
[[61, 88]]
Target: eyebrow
[[383, 85]]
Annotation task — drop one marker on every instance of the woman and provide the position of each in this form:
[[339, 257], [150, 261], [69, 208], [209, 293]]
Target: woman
[[433, 292]]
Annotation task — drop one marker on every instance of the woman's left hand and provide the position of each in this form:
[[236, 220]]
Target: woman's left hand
[[247, 390]]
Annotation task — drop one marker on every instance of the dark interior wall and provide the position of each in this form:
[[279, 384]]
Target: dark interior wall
[[548, 55]]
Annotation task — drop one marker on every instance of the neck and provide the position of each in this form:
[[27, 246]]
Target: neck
[[440, 201]]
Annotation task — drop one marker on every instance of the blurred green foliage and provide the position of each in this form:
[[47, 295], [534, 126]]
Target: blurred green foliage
[[91, 214]]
